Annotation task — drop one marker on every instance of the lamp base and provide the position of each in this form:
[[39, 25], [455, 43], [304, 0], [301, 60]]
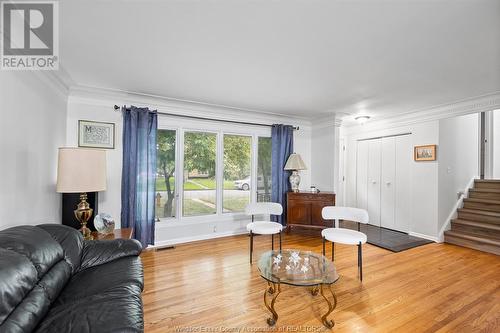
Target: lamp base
[[83, 214], [294, 180], [86, 233]]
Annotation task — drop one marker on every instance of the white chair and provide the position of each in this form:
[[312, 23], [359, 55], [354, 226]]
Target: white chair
[[263, 227], [343, 235]]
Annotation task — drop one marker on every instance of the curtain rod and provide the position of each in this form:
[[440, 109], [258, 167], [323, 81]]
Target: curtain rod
[[116, 107]]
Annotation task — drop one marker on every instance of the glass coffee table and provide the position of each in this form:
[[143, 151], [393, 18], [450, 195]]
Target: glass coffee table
[[300, 269]]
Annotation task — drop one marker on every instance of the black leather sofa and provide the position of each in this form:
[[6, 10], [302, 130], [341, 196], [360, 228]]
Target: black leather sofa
[[51, 280]]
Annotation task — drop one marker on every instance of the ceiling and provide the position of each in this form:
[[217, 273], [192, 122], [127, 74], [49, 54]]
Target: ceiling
[[301, 58]]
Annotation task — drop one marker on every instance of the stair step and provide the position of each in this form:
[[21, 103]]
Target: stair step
[[480, 243], [479, 215], [492, 190], [487, 183], [482, 204], [489, 230], [484, 193]]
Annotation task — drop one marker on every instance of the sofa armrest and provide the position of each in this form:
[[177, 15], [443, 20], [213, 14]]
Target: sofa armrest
[[98, 252]]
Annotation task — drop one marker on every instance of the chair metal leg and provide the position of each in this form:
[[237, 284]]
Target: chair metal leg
[[251, 246], [333, 251], [272, 242], [324, 240], [280, 239], [360, 261]]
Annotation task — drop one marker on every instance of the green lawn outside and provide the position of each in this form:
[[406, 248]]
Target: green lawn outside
[[192, 208], [160, 184], [235, 204], [191, 185], [188, 186], [232, 204], [159, 209], [211, 184]]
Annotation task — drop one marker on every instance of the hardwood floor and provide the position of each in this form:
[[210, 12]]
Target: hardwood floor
[[210, 286]]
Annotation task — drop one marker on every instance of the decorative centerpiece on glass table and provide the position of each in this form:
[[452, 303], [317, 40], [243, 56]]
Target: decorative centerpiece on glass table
[[300, 269]]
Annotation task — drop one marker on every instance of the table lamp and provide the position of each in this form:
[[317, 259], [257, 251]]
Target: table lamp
[[295, 163], [81, 170]]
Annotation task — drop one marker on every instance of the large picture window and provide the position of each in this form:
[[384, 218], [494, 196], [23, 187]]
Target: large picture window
[[165, 174], [205, 172], [264, 170], [200, 185], [237, 172]]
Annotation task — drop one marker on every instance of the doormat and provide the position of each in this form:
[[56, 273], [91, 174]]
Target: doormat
[[391, 240]]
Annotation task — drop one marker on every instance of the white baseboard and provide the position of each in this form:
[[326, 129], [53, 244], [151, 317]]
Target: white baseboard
[[183, 240], [431, 238]]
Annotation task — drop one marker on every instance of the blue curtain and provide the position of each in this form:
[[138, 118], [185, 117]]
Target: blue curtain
[[282, 148], [139, 173]]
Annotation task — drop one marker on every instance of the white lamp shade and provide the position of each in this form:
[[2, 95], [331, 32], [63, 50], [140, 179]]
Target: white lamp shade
[[295, 162], [81, 170]]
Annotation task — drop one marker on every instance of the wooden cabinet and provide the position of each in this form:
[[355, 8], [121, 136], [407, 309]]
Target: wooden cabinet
[[304, 209]]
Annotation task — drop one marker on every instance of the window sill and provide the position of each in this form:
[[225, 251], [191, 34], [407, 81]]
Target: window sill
[[202, 219]]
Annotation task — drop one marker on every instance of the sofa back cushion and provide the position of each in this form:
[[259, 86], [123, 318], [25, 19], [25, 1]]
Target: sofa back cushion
[[33, 271], [71, 241]]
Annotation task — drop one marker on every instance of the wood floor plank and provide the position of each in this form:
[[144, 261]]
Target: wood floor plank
[[210, 286]]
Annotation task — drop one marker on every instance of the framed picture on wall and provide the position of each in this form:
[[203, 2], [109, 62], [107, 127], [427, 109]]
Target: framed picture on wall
[[94, 134], [425, 153]]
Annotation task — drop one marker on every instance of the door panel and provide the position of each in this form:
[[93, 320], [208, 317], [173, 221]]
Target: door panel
[[299, 212], [403, 185], [362, 175], [316, 217], [374, 173], [388, 162]]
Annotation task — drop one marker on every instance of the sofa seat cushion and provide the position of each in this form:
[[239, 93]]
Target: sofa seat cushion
[[117, 310], [104, 298], [96, 280]]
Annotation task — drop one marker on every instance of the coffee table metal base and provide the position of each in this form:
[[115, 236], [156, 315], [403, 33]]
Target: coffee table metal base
[[274, 289]]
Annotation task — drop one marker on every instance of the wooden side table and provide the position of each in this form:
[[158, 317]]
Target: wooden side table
[[125, 233], [304, 209]]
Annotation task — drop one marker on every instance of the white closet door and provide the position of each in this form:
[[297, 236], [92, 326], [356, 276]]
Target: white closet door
[[404, 158], [387, 209], [362, 175], [374, 173]]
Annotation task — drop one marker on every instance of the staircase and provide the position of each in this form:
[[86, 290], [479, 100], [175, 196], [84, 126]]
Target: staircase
[[477, 225]]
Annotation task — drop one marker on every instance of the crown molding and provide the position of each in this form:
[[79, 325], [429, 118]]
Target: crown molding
[[337, 122], [477, 104], [110, 97], [328, 121], [59, 80]]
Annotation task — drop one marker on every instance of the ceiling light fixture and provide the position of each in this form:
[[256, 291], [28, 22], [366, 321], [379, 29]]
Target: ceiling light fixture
[[362, 119]]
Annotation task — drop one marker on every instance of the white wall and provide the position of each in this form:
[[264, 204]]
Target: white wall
[[424, 175], [458, 159], [323, 153], [33, 126], [98, 108], [109, 200], [302, 145]]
